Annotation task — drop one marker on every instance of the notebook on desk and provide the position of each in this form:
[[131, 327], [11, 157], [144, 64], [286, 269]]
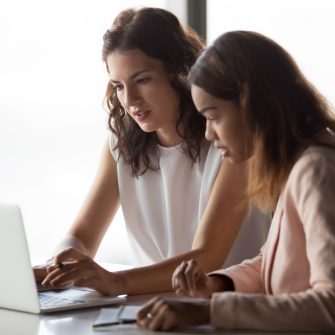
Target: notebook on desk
[[18, 289]]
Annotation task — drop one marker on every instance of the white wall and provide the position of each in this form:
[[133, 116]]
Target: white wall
[[52, 124], [52, 83], [303, 27]]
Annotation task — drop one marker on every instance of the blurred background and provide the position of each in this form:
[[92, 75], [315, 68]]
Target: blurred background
[[52, 84]]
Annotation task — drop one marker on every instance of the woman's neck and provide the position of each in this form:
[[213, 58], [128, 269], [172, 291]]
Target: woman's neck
[[168, 138]]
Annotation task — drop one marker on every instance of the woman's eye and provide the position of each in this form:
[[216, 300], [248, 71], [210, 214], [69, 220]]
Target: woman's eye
[[143, 81], [210, 118], [118, 87]]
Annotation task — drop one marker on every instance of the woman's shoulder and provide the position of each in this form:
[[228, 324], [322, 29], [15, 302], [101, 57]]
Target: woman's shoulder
[[323, 150], [316, 164], [112, 145]]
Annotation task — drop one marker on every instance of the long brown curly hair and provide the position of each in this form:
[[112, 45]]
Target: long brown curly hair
[[158, 34]]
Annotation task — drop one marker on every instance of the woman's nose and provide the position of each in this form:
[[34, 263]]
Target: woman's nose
[[131, 97], [210, 133]]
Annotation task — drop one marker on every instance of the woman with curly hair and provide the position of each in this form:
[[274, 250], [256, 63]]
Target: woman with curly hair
[[172, 186]]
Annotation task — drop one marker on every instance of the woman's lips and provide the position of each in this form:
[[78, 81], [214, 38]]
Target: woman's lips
[[140, 116], [223, 152]]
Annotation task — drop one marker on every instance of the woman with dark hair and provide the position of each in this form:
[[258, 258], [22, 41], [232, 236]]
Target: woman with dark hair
[[155, 158], [260, 109]]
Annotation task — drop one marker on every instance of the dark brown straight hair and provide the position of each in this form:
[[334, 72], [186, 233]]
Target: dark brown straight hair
[[158, 34], [283, 112]]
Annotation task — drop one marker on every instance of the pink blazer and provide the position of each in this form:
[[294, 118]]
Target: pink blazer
[[290, 285]]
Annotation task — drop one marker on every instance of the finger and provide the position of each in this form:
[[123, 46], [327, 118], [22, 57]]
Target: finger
[[178, 278], [145, 309], [56, 271], [157, 306], [53, 267], [149, 320], [50, 276], [180, 292], [191, 273], [160, 313], [65, 278], [151, 314], [40, 273], [183, 278]]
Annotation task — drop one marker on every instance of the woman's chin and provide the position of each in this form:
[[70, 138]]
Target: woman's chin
[[147, 128], [236, 160]]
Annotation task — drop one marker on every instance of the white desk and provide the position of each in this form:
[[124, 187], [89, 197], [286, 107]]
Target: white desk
[[63, 323], [80, 321], [68, 323]]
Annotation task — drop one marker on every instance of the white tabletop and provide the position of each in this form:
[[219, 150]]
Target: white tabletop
[[71, 322], [81, 321]]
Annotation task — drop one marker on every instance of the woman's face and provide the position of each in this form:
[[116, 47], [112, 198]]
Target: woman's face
[[224, 126], [143, 88]]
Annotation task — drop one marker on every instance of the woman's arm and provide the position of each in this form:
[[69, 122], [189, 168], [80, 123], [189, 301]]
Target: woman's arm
[[217, 231], [95, 216], [309, 196], [99, 207], [308, 201]]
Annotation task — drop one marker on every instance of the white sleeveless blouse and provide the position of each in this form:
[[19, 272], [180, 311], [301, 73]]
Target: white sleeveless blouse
[[162, 209]]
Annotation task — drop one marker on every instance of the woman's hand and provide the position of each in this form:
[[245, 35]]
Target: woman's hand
[[40, 272], [167, 314], [72, 268], [189, 279]]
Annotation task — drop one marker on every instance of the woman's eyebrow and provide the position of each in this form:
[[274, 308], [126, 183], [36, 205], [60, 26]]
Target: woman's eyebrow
[[131, 77], [205, 109]]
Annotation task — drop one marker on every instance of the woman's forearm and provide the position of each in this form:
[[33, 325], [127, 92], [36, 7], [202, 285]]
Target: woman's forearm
[[158, 277]]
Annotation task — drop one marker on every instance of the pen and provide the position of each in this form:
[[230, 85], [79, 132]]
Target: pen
[[114, 323]]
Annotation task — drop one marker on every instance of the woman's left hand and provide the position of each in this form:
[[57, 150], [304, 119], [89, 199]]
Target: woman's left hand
[[73, 268], [167, 314]]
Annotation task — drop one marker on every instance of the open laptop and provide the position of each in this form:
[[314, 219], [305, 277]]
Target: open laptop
[[18, 289]]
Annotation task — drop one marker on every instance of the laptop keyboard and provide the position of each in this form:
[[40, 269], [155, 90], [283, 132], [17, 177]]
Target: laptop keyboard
[[47, 301]]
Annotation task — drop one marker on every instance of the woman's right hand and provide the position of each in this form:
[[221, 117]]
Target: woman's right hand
[[190, 279], [40, 272], [73, 268]]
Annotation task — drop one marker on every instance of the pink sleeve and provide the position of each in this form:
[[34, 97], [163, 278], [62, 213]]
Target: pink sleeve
[[245, 276], [311, 188]]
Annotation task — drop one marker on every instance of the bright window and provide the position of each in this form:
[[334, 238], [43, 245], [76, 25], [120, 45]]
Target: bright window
[[52, 83], [52, 124], [303, 27]]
